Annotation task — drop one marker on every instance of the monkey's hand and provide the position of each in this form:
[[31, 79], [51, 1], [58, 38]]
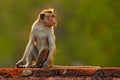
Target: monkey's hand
[[20, 62]]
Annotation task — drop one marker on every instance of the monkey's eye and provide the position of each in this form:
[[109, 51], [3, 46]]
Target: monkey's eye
[[53, 16], [42, 16]]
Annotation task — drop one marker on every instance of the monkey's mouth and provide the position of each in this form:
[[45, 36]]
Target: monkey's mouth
[[52, 23]]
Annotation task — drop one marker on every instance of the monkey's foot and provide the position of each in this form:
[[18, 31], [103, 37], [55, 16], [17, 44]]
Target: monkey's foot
[[21, 66]]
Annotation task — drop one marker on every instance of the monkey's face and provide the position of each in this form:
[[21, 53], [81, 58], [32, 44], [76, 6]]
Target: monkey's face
[[49, 19], [52, 20]]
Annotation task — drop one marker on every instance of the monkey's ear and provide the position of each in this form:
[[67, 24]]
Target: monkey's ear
[[42, 16]]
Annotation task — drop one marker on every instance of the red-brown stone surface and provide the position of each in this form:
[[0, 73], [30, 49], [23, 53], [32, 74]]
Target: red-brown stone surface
[[60, 73]]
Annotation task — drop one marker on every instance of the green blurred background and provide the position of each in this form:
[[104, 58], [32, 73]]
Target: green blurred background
[[88, 31]]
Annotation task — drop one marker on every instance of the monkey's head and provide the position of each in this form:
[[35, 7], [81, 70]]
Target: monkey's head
[[48, 17]]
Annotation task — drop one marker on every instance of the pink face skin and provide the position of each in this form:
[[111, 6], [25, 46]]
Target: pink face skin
[[51, 20]]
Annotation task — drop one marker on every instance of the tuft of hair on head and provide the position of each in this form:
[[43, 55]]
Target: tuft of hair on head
[[49, 10]]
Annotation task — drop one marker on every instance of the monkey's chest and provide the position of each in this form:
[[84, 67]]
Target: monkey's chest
[[42, 40]]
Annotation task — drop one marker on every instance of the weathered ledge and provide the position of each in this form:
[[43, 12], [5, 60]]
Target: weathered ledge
[[61, 73]]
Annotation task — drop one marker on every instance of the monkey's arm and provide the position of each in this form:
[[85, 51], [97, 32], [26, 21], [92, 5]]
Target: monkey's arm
[[50, 60], [51, 40], [28, 50]]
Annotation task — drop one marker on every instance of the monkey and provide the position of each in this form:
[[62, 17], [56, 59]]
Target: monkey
[[41, 48]]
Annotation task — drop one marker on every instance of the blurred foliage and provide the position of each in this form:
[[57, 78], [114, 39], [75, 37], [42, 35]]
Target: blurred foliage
[[88, 31]]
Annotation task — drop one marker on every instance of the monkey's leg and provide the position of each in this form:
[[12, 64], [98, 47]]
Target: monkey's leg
[[50, 61], [42, 57], [28, 62], [35, 53], [32, 57]]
